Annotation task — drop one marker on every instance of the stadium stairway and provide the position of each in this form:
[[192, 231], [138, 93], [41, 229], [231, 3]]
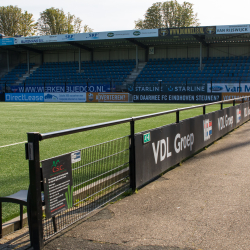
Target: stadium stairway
[[133, 75]]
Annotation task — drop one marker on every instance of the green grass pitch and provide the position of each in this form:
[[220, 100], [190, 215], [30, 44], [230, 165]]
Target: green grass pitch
[[19, 118]]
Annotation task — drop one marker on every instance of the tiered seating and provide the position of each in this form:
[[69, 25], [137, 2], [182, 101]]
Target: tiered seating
[[12, 76], [97, 72], [216, 70]]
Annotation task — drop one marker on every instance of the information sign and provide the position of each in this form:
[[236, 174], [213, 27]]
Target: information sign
[[58, 189]]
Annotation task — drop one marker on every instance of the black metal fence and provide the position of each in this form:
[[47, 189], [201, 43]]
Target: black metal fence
[[101, 173]]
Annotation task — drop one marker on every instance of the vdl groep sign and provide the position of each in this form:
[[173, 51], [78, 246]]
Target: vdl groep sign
[[161, 148]]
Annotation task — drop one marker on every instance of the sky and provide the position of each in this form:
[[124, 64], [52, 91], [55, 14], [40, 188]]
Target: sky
[[112, 15]]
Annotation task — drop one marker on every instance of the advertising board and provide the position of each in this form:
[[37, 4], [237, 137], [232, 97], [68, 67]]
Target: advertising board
[[176, 97], [58, 88], [170, 144], [228, 88], [233, 29], [108, 97], [24, 97], [88, 36], [65, 97], [228, 96], [165, 87]]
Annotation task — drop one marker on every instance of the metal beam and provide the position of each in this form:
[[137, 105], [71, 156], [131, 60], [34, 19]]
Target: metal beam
[[132, 40], [30, 49], [80, 46], [201, 39]]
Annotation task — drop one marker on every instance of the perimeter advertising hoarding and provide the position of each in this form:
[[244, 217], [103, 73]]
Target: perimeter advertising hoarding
[[227, 96], [167, 87], [233, 29], [176, 97], [107, 97], [207, 30], [228, 88], [88, 36], [58, 88], [65, 97], [24, 97], [170, 144]]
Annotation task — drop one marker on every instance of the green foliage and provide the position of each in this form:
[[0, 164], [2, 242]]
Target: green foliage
[[13, 22], [54, 21], [168, 14]]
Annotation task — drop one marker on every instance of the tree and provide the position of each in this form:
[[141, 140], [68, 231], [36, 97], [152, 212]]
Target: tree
[[167, 15], [13, 22], [54, 21]]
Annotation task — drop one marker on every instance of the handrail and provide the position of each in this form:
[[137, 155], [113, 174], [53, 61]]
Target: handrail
[[116, 122]]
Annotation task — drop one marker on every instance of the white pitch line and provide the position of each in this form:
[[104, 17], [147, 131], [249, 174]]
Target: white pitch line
[[5, 146]]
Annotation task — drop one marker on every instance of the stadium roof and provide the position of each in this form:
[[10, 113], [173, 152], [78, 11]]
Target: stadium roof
[[128, 39]]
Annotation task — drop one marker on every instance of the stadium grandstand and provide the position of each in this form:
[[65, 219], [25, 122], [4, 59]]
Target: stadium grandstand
[[115, 61]]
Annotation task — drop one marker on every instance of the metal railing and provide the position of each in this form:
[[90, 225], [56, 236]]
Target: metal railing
[[106, 171]]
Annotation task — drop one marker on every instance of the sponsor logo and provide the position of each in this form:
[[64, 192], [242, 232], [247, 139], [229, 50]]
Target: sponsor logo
[[210, 30], [216, 88], [207, 126], [69, 37], [76, 156], [225, 121], [56, 166], [238, 115], [25, 97], [51, 97], [91, 97], [111, 34], [136, 33], [180, 143], [246, 112]]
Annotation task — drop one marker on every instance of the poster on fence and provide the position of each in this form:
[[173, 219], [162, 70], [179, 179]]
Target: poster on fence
[[58, 189]]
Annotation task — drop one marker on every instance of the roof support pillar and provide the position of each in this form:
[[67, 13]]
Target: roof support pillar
[[200, 56], [28, 61], [80, 60], [8, 61], [136, 56]]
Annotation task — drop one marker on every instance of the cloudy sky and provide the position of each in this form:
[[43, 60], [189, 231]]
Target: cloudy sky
[[112, 15]]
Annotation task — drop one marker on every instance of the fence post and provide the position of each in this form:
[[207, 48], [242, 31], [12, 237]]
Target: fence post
[[177, 116], [221, 106], [204, 110], [132, 156], [34, 196]]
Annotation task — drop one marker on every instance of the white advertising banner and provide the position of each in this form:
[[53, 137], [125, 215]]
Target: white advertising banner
[[228, 88], [233, 29], [88, 36], [65, 97]]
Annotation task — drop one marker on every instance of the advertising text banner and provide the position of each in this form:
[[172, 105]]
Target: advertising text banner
[[108, 97], [233, 29], [176, 97], [228, 87], [65, 97], [24, 97], [208, 30], [57, 88], [170, 144], [165, 87], [228, 96]]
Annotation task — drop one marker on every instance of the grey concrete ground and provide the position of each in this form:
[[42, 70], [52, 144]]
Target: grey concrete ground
[[202, 204]]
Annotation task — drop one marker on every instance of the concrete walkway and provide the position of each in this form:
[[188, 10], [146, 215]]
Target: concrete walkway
[[202, 204]]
